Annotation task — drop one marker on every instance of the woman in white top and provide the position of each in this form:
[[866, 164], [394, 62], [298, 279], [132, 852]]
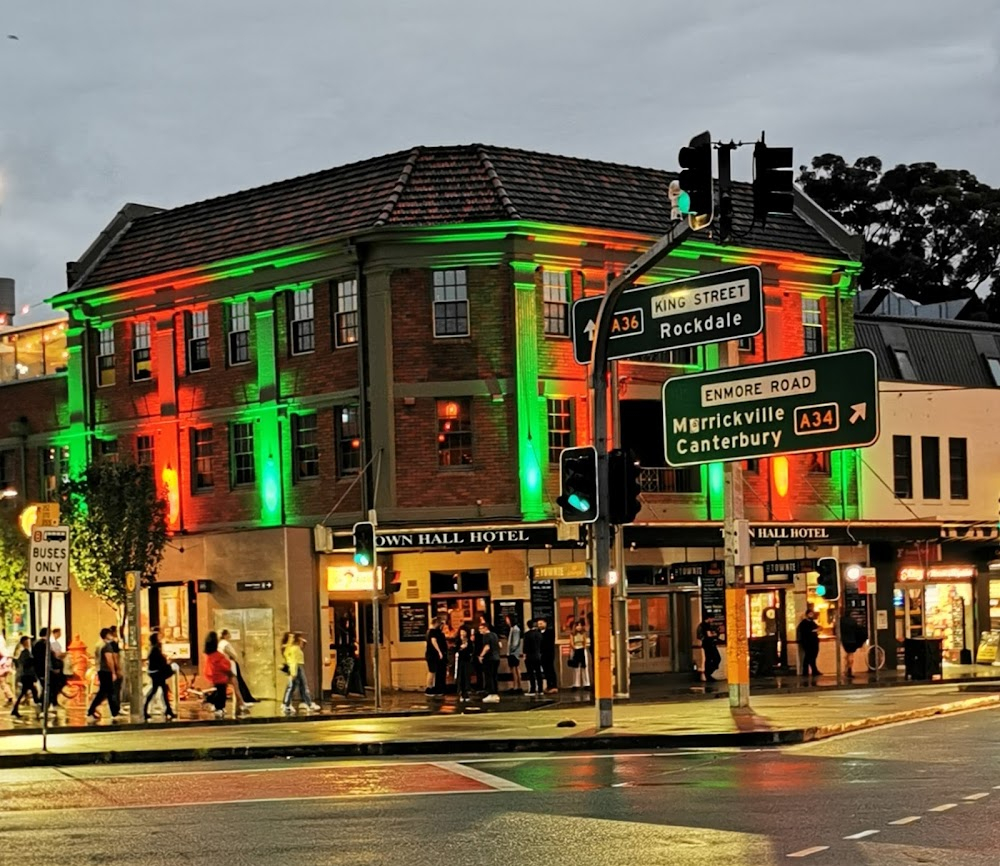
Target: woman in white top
[[244, 697]]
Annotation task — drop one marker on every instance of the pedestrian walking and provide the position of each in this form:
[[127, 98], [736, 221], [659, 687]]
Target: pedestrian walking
[[218, 670], [25, 675], [708, 634], [57, 675], [108, 673], [116, 648], [489, 658], [852, 637], [42, 648], [578, 659], [295, 659], [159, 669], [436, 656], [464, 651], [548, 655], [514, 652], [807, 635], [246, 698], [532, 644]]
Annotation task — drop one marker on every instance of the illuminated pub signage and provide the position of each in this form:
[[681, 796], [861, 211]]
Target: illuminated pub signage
[[937, 572], [465, 538], [769, 532]]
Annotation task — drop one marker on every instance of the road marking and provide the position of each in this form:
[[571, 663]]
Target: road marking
[[944, 807], [479, 776], [805, 852], [862, 834], [903, 821], [977, 796]]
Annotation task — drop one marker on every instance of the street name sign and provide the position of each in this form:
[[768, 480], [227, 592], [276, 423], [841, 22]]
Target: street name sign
[[725, 305], [818, 403], [48, 562]]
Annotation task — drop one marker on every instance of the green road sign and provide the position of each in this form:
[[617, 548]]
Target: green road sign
[[817, 403], [725, 305]]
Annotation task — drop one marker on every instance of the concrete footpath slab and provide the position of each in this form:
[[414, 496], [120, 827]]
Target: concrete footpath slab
[[773, 720]]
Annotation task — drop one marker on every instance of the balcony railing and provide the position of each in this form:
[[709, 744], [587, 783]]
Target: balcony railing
[[663, 479]]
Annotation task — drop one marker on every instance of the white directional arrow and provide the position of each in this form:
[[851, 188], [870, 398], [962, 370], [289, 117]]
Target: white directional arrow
[[859, 413], [591, 327]]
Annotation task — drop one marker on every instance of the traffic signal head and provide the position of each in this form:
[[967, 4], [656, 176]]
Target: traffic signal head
[[696, 179], [623, 485], [772, 181], [828, 581], [364, 544], [577, 499]]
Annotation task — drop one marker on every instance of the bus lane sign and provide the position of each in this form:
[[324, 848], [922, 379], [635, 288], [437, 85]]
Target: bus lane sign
[[48, 564]]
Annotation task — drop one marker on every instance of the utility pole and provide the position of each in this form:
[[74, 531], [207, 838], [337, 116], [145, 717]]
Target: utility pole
[[603, 688], [619, 616]]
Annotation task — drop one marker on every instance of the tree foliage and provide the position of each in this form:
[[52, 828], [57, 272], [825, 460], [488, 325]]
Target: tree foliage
[[931, 234], [13, 566], [119, 523]]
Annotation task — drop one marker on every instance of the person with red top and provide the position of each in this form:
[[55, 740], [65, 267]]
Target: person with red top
[[218, 671]]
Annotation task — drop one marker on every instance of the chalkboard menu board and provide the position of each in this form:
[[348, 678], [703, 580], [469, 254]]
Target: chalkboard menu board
[[543, 600], [413, 622], [508, 606], [713, 596]]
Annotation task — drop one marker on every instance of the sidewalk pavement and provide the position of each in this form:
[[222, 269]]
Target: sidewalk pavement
[[774, 720]]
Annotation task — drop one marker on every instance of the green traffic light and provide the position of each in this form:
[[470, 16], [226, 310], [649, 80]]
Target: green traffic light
[[579, 502], [684, 203], [361, 558], [820, 590]]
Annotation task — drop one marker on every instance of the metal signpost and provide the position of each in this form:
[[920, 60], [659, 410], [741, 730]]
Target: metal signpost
[[818, 403], [48, 571], [133, 652], [712, 308]]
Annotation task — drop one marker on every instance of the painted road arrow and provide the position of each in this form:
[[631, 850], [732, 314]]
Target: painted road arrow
[[711, 308]]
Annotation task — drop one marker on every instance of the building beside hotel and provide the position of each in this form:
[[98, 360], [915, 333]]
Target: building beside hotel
[[395, 335]]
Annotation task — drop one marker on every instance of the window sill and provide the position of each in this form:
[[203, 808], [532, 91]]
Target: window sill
[[202, 491]]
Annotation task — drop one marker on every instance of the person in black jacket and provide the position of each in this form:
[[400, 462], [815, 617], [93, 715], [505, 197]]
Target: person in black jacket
[[708, 634], [159, 670], [25, 674], [38, 653], [532, 647], [547, 639], [807, 635]]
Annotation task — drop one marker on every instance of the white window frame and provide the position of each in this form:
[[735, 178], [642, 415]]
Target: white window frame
[[451, 292], [240, 463], [346, 324], [556, 294], [553, 411], [141, 343], [238, 326], [303, 310], [198, 335], [105, 351], [812, 320]]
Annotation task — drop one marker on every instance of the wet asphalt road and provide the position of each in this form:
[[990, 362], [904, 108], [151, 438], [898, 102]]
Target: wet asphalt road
[[927, 792]]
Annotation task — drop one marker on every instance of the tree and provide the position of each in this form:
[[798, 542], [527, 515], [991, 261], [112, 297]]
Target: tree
[[931, 234], [118, 523], [13, 567]]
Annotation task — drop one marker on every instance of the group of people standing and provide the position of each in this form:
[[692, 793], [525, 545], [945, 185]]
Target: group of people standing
[[28, 664], [853, 635], [474, 654]]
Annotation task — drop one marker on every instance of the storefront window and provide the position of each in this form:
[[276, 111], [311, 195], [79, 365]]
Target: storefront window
[[173, 622]]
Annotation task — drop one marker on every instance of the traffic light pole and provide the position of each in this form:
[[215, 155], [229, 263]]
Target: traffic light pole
[[603, 685]]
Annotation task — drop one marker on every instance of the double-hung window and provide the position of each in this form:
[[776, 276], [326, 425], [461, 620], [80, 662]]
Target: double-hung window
[[105, 357], [202, 450], [454, 438], [555, 302], [197, 342], [239, 333], [348, 440], [241, 444], [303, 322], [560, 412], [812, 326], [902, 467], [306, 446], [451, 304], [142, 367], [346, 324], [145, 453]]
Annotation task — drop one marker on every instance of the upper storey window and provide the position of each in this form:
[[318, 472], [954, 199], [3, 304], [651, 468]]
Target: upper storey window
[[451, 304]]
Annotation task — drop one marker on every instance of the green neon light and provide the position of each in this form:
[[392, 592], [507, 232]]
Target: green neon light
[[716, 491], [271, 488], [530, 409]]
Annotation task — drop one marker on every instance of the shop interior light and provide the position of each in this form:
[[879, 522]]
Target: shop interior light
[[853, 572]]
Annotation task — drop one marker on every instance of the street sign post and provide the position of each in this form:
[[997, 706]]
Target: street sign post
[[725, 305], [818, 403], [48, 572]]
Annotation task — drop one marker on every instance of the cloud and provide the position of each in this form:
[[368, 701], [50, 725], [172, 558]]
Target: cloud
[[168, 103]]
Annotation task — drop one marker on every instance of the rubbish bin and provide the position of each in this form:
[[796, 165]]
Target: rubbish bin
[[922, 657]]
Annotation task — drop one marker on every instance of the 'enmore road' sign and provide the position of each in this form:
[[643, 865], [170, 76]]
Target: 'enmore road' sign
[[817, 403], [48, 563], [725, 305]]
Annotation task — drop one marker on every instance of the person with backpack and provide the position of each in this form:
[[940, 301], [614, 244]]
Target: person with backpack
[[25, 675]]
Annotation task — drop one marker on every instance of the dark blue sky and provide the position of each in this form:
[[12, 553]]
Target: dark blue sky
[[109, 101]]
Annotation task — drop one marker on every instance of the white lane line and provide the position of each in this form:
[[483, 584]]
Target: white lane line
[[862, 834], [944, 807], [805, 852], [494, 782], [977, 796], [903, 821]]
